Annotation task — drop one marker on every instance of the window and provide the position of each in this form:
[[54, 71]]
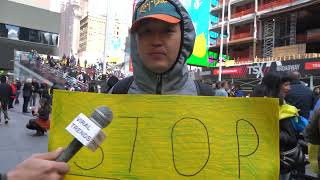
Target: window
[[12, 32], [26, 34]]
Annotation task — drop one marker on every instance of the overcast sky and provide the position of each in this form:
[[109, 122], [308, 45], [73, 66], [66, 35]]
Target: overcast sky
[[120, 7]]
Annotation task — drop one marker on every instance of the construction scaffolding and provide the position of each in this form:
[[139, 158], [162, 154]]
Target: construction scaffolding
[[265, 27], [268, 37], [293, 28]]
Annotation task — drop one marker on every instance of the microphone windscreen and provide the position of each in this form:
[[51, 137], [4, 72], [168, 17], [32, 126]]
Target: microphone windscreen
[[103, 116]]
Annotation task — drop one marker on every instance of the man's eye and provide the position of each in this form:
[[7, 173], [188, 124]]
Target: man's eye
[[170, 30], [144, 31]]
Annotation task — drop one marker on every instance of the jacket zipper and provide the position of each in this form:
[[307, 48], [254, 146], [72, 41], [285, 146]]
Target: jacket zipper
[[159, 84]]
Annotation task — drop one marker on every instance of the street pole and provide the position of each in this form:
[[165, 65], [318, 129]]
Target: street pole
[[255, 31], [221, 40], [104, 66]]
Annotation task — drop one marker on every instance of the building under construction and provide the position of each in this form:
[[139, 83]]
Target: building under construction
[[261, 36], [260, 30]]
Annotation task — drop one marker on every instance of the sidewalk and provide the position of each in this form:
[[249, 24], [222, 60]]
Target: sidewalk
[[16, 141]]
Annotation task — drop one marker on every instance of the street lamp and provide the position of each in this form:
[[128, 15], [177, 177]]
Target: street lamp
[[221, 40]]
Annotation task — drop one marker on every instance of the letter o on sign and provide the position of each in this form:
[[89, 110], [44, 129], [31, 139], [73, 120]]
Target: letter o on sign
[[190, 146]]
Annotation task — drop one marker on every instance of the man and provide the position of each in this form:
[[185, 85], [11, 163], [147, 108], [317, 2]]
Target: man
[[299, 95], [221, 89], [238, 92], [162, 38], [18, 85], [27, 93], [35, 92], [5, 93]]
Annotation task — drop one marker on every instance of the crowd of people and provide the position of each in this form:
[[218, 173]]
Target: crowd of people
[[75, 76], [162, 39], [36, 100]]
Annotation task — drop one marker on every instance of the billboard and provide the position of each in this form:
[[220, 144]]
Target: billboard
[[199, 11], [306, 67]]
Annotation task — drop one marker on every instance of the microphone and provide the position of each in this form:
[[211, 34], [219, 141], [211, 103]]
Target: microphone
[[102, 117]]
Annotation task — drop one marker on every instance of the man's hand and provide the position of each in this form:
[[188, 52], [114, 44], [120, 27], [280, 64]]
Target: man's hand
[[40, 166]]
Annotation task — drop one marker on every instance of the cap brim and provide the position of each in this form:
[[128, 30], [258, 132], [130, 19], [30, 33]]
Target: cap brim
[[161, 17]]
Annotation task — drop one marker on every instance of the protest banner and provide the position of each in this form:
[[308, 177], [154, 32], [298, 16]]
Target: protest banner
[[173, 137]]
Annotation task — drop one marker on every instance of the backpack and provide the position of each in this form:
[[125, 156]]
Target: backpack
[[122, 87], [292, 147], [299, 123]]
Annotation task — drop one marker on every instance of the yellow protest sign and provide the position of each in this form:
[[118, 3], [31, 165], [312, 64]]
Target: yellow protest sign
[[173, 137]]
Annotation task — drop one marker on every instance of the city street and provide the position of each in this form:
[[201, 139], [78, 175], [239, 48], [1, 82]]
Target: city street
[[16, 141]]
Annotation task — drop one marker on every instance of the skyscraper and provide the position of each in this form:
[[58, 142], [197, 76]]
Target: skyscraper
[[70, 28]]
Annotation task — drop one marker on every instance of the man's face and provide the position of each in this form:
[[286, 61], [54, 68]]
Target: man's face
[[285, 87], [158, 44]]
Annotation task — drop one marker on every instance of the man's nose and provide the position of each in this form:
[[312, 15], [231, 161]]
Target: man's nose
[[156, 39]]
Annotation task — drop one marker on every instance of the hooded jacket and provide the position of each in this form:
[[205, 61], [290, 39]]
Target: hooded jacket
[[288, 135], [174, 81]]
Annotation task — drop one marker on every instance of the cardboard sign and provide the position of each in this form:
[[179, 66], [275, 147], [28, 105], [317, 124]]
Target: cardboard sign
[[173, 137]]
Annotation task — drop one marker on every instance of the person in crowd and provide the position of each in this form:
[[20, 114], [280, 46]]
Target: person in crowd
[[18, 86], [299, 95], [39, 167], [312, 131], [238, 91], [278, 86], [27, 93], [30, 56], [92, 87], [35, 92], [162, 37], [85, 63], [221, 88], [42, 123], [103, 84], [44, 91], [5, 93], [13, 94], [316, 92], [112, 80], [67, 62]]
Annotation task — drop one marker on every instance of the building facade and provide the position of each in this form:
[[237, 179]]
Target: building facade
[[92, 37], [24, 28], [70, 28]]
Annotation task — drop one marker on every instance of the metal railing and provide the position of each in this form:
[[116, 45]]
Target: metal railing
[[274, 4]]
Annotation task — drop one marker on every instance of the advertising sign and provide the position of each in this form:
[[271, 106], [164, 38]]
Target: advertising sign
[[258, 70]]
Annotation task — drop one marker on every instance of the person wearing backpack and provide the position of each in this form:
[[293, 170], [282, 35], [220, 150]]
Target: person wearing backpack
[[291, 153], [162, 39]]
